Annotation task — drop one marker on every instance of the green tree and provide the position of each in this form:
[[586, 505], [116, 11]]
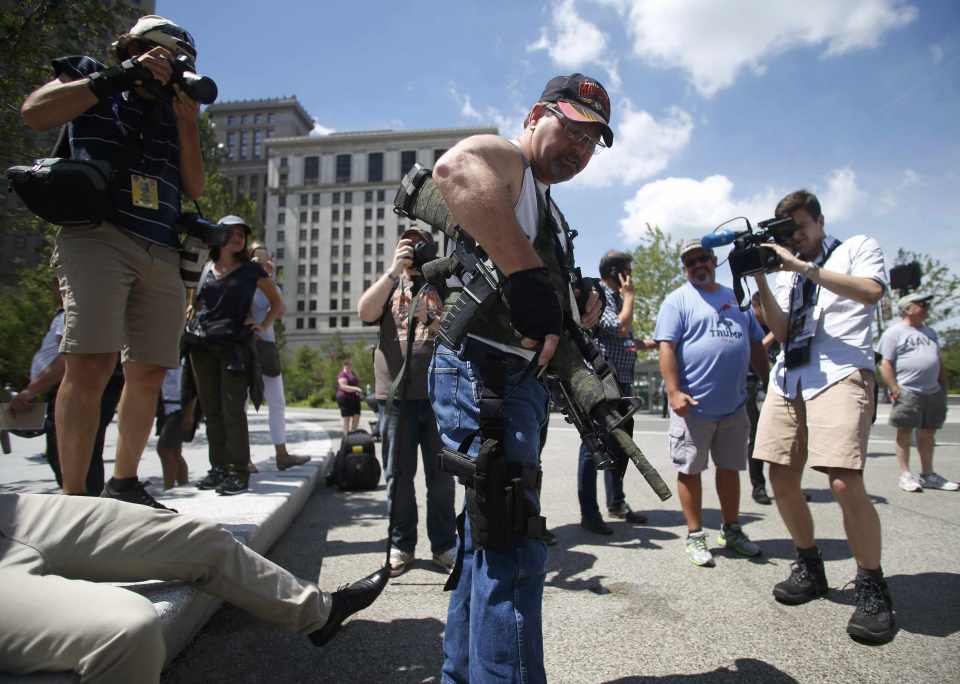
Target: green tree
[[656, 273]]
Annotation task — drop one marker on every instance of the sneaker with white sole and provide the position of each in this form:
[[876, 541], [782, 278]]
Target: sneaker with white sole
[[934, 481], [910, 482], [400, 562], [446, 560], [697, 549], [733, 538]]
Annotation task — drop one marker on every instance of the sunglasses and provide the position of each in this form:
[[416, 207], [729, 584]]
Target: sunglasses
[[702, 259], [575, 136]]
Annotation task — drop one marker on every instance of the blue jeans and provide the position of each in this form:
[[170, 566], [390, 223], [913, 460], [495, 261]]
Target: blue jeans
[[494, 622], [420, 429], [612, 479]]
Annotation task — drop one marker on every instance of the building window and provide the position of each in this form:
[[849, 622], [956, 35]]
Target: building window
[[269, 132], [299, 324], [380, 195], [314, 252], [346, 286], [345, 303], [283, 179], [281, 218], [334, 286], [379, 231], [312, 323], [379, 267], [279, 254], [367, 250], [302, 235], [269, 117], [301, 288], [343, 168], [313, 304], [256, 118], [346, 271], [314, 216], [301, 305], [243, 144], [333, 304], [231, 119], [302, 252], [344, 321], [368, 196], [243, 119], [282, 200], [315, 234], [348, 214], [407, 159], [258, 144], [335, 215], [333, 322], [284, 162], [313, 269], [366, 284], [437, 154], [304, 199], [303, 217], [368, 214], [347, 232], [379, 213], [336, 198], [281, 236], [347, 250], [311, 170], [379, 250], [348, 197], [334, 269], [375, 167], [367, 232], [313, 288], [315, 198], [367, 268], [334, 233], [302, 270], [335, 251]]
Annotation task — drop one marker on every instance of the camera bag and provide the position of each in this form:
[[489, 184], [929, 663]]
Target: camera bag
[[67, 192]]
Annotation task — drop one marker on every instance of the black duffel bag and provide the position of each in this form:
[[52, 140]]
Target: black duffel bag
[[67, 192]]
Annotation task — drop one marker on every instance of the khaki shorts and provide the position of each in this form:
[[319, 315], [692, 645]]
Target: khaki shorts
[[120, 293], [921, 411], [725, 440], [830, 431]]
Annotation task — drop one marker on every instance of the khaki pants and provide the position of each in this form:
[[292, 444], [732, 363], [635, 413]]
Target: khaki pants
[[55, 615]]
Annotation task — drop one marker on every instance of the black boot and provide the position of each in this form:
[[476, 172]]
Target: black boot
[[596, 525], [760, 495], [873, 619], [806, 582], [348, 600]]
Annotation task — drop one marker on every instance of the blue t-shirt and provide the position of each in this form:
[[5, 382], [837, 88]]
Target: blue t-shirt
[[712, 337], [138, 137]]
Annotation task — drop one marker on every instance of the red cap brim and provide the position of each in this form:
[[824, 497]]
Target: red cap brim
[[577, 112]]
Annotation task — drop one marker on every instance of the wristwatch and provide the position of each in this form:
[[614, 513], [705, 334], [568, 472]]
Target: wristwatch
[[810, 269], [392, 277]]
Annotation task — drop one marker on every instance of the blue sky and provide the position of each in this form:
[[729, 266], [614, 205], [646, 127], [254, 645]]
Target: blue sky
[[720, 108]]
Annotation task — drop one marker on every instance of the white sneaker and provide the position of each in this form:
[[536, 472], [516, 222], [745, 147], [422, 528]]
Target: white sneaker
[[400, 562], [446, 560], [910, 482], [697, 549], [934, 481]]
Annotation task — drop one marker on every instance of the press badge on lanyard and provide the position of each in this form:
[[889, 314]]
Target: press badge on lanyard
[[144, 191]]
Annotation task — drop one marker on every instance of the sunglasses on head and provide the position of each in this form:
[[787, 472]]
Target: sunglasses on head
[[693, 261]]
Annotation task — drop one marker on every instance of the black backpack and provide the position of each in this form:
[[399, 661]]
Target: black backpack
[[355, 467]]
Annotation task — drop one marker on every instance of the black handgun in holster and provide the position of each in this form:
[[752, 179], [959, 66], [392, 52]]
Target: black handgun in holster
[[500, 512]]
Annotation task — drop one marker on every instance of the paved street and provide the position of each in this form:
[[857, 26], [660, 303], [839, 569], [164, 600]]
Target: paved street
[[627, 608]]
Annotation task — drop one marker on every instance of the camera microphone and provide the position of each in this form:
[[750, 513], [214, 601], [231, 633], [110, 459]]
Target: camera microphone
[[720, 238]]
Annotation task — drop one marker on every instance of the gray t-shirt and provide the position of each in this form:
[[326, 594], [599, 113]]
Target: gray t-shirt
[[915, 355]]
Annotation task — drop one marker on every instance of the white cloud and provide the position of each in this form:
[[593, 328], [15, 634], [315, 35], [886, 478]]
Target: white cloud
[[320, 129], [509, 125], [936, 53], [687, 207], [715, 41], [909, 179], [572, 42], [642, 146]]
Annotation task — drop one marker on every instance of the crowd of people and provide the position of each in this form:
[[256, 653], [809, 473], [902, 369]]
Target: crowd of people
[[480, 403]]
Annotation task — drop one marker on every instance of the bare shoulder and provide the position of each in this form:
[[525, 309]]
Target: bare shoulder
[[492, 151]]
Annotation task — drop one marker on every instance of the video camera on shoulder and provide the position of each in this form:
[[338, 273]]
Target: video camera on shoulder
[[748, 257]]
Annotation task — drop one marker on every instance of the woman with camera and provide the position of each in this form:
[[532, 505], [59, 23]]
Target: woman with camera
[[220, 340], [270, 366]]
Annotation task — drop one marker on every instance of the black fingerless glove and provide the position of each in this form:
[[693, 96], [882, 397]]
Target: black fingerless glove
[[117, 79], [534, 308]]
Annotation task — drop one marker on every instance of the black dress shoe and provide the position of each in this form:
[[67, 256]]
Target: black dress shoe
[[760, 495], [348, 600], [596, 525], [626, 513], [549, 538]]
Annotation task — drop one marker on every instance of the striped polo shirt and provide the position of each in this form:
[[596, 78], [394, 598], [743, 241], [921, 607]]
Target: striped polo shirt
[[138, 137]]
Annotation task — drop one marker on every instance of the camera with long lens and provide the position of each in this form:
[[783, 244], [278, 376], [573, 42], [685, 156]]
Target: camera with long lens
[[748, 257], [201, 236], [202, 89]]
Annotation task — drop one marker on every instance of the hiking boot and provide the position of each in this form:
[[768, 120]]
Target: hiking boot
[[285, 461], [934, 481], [873, 620], [596, 525], [760, 495], [806, 582], [733, 537], [697, 549], [624, 512], [446, 560], [236, 482], [909, 482], [400, 562], [133, 491], [213, 478], [348, 600]]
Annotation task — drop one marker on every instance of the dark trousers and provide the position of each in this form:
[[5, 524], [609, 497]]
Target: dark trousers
[[753, 412], [612, 479], [222, 394], [108, 407]]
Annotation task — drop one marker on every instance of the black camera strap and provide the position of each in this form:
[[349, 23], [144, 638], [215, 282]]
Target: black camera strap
[[797, 352]]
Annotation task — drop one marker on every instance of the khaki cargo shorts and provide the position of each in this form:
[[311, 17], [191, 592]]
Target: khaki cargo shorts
[[120, 293], [829, 431], [692, 439]]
